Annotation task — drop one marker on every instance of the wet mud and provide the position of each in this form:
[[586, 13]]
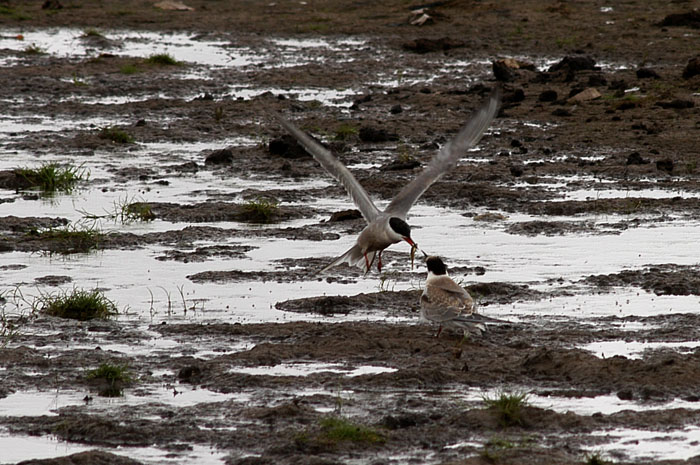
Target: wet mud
[[604, 114]]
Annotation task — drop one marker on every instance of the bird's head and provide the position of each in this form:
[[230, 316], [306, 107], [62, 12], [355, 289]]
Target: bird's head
[[436, 265], [401, 228]]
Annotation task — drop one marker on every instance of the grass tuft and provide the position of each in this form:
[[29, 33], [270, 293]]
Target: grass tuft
[[345, 132], [13, 13], [79, 304], [92, 32], [508, 407], [130, 69], [336, 429], [112, 378], [51, 177], [260, 210], [34, 49], [596, 459], [162, 59], [71, 238], [116, 135]]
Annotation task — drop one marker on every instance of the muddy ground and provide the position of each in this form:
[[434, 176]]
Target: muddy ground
[[640, 139]]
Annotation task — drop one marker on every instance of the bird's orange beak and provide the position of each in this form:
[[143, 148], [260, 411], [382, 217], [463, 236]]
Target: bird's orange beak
[[410, 241]]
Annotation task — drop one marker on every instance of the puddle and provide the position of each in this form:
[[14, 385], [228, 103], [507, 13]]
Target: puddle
[[306, 369], [37, 403], [635, 444], [17, 448], [67, 43], [635, 349]]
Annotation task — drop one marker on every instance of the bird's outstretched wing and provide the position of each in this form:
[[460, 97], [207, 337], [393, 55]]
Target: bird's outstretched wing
[[467, 137], [330, 163]]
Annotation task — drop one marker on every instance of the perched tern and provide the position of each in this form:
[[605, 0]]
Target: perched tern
[[389, 226], [447, 303]]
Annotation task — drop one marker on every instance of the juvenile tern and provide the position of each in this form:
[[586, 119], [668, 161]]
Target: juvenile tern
[[447, 303], [389, 226]]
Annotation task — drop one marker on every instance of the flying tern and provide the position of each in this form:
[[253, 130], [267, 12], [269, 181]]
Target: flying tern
[[389, 226]]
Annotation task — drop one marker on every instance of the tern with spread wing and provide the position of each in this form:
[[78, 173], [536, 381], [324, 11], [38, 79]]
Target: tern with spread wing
[[389, 226], [447, 303]]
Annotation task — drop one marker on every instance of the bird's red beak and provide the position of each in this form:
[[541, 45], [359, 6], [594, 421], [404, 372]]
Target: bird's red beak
[[410, 241]]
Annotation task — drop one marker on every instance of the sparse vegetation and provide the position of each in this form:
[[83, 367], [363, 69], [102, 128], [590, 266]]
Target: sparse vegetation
[[51, 177], [596, 459], [260, 210], [116, 135], [73, 238], [345, 132], [335, 430], [92, 32], [13, 13], [162, 59], [130, 69], [112, 378], [125, 211], [34, 49], [508, 406], [79, 304]]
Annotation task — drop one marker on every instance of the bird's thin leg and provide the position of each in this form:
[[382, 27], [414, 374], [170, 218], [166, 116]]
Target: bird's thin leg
[[367, 262], [439, 331]]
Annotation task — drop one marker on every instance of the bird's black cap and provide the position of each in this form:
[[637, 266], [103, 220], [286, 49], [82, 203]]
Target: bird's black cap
[[436, 265], [400, 226]]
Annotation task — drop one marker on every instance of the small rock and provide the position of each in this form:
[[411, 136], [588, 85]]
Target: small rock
[[423, 45], [665, 165], [287, 147], [548, 96], [678, 104], [585, 95], [190, 374], [689, 19], [517, 170], [573, 63], [692, 68], [370, 134], [396, 109], [219, 157], [399, 165], [561, 112], [647, 73], [635, 158], [503, 69], [625, 394], [346, 215]]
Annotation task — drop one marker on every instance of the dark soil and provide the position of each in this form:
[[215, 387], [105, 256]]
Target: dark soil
[[632, 139]]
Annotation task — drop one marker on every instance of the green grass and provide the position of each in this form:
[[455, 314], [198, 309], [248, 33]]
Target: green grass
[[72, 239], [162, 59], [130, 69], [51, 177], [13, 13], [345, 132], [508, 407], [113, 378], [92, 32], [125, 211], [260, 210], [116, 135], [336, 430], [136, 211], [79, 304]]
